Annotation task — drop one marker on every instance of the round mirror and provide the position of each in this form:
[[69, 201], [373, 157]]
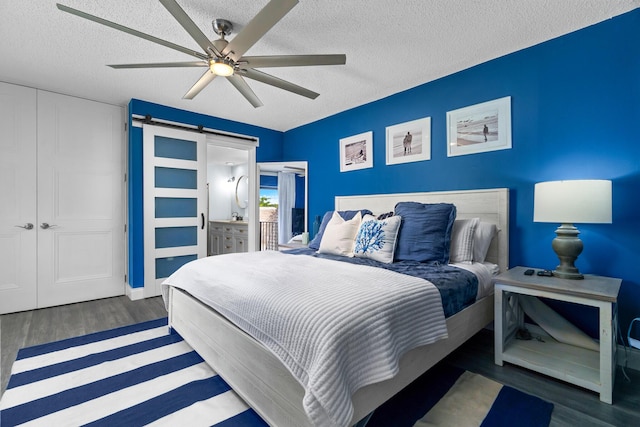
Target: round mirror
[[242, 192]]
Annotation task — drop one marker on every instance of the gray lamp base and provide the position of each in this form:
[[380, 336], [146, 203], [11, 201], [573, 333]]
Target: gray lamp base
[[565, 275], [567, 246]]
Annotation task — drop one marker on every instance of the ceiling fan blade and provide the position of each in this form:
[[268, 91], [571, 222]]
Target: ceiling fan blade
[[269, 16], [282, 84], [245, 90], [183, 19], [131, 31], [291, 60], [206, 78], [162, 65]]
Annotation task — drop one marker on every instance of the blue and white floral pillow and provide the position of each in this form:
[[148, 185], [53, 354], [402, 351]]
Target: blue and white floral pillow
[[376, 239]]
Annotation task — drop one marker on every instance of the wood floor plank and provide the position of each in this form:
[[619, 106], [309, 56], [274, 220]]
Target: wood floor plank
[[103, 315], [14, 331], [43, 327], [69, 322], [153, 309], [565, 417]]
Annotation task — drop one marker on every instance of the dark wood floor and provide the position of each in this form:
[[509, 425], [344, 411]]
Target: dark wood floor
[[573, 406]]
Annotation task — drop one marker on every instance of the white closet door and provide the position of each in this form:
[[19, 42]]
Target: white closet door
[[175, 202], [18, 279], [80, 200]]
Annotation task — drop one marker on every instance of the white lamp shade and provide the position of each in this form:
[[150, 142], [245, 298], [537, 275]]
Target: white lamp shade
[[573, 202]]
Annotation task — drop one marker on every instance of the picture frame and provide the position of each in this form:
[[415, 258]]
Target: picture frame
[[479, 128], [409, 141], [356, 152]]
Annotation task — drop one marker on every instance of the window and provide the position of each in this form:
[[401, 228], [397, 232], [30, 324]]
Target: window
[[268, 217]]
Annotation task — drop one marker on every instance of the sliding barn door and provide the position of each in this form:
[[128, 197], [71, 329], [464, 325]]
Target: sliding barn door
[[18, 233], [80, 200], [175, 202]]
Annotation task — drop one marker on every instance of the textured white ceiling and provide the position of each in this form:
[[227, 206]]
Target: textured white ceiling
[[424, 39]]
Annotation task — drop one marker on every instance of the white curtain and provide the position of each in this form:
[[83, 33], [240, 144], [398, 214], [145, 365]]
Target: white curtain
[[286, 202]]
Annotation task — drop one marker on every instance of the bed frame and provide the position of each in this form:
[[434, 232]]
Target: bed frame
[[265, 383]]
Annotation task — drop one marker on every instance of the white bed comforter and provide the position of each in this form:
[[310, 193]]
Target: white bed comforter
[[336, 326]]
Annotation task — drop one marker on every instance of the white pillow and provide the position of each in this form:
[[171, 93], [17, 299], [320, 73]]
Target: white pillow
[[462, 237], [484, 234], [339, 235], [376, 239]]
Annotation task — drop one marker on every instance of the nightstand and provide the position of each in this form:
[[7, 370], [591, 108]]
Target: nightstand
[[593, 370]]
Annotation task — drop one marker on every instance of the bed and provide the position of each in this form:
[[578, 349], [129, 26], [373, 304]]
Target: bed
[[262, 380]]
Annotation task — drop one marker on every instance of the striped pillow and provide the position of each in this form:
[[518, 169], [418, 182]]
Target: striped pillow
[[484, 234], [425, 233], [462, 240]]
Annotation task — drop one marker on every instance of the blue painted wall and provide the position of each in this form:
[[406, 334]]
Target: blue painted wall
[[299, 203], [575, 114], [270, 149]]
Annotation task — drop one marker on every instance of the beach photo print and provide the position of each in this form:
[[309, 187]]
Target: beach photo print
[[479, 128]]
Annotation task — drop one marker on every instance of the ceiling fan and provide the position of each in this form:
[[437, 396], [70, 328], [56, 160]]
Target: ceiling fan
[[225, 58]]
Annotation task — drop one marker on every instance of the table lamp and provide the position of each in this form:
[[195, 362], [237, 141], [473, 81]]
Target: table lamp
[[569, 202]]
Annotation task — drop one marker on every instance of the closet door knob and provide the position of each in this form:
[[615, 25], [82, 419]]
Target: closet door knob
[[45, 225], [27, 226]]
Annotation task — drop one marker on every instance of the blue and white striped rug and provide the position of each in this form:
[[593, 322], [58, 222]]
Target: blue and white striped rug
[[142, 375]]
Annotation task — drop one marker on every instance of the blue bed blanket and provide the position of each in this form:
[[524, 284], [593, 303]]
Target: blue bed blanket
[[458, 288]]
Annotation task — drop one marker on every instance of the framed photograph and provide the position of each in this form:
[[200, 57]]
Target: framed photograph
[[356, 152], [409, 141], [479, 128]]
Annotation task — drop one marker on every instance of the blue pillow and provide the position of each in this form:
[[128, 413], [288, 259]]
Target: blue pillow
[[346, 215], [425, 233]]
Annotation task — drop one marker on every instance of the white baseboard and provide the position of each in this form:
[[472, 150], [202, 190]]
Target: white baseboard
[[135, 293]]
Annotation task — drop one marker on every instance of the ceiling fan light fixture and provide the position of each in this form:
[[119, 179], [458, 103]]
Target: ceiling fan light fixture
[[221, 67], [223, 57]]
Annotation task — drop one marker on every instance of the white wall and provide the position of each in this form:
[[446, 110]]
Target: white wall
[[238, 171], [222, 198]]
